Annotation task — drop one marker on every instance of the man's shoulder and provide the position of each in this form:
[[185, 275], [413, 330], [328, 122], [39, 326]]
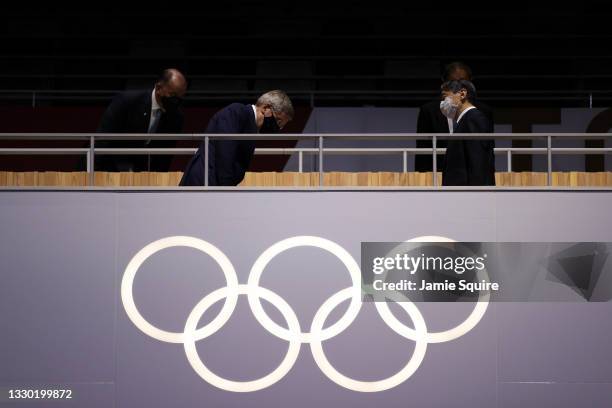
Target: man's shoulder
[[237, 111], [482, 106], [475, 117], [485, 109], [233, 116], [236, 107], [475, 113], [233, 109]]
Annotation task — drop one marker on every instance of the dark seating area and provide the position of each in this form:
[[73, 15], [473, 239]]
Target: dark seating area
[[340, 54]]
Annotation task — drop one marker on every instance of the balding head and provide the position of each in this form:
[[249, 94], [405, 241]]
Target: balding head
[[457, 71], [170, 88], [174, 80]]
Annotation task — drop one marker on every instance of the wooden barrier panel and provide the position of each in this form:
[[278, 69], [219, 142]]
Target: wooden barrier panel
[[46, 178], [288, 179]]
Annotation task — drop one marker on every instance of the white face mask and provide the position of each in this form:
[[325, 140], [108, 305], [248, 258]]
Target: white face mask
[[448, 108]]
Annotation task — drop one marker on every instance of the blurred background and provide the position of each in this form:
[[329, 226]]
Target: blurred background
[[533, 63]]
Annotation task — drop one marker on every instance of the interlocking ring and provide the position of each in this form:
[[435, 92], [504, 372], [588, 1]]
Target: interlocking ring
[[346, 258], [293, 334], [442, 336], [318, 354], [127, 296], [241, 386]]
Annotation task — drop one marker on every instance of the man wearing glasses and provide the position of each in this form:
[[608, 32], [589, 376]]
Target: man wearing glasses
[[228, 160]]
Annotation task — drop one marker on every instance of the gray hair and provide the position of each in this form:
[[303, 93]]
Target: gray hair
[[456, 86], [278, 100]]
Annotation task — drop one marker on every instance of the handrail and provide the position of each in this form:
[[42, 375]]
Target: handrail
[[234, 57], [314, 91], [585, 96], [320, 150], [311, 77], [294, 136]]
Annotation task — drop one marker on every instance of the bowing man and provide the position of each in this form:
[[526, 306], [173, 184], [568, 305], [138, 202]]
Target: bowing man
[[228, 160]]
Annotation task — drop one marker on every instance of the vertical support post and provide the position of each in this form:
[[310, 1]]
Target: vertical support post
[[300, 161], [91, 160], [206, 161], [405, 161], [590, 100], [148, 143], [509, 160], [549, 156], [320, 161], [434, 161]]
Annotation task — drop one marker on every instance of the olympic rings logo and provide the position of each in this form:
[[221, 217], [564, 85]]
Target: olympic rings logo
[[293, 334]]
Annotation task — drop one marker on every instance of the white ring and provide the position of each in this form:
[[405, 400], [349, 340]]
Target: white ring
[[330, 246], [127, 296], [293, 334], [241, 386], [442, 336], [368, 386]]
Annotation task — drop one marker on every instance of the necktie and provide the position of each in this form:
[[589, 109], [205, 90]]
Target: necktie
[[155, 115]]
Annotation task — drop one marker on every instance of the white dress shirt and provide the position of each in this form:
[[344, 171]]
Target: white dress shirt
[[156, 111], [464, 112], [450, 121], [255, 113], [450, 125]]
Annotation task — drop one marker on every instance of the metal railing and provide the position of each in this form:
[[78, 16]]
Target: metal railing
[[91, 151], [310, 57], [585, 98]]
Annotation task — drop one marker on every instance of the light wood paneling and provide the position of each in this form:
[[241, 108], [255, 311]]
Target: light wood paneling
[[273, 179]]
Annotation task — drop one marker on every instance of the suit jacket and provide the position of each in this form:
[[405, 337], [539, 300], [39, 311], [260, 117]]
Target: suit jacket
[[431, 120], [130, 112], [228, 160], [470, 162]]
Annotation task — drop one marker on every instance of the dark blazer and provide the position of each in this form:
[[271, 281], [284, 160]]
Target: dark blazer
[[228, 160], [130, 112], [431, 120], [470, 162]]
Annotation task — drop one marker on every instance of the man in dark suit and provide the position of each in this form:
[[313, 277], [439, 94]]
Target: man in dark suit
[[228, 160], [148, 111], [468, 162], [431, 120]]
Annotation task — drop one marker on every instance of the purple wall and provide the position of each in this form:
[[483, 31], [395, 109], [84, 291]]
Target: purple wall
[[397, 120], [63, 257]]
